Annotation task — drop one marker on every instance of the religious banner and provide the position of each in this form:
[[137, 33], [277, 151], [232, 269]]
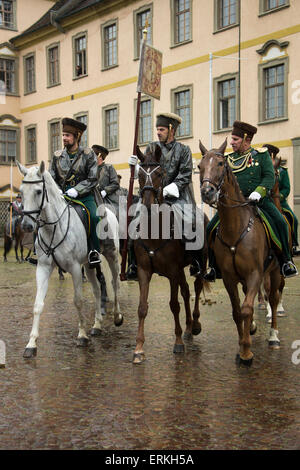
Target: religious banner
[[149, 80]]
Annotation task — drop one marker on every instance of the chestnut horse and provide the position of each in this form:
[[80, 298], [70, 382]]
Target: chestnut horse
[[240, 248], [165, 256]]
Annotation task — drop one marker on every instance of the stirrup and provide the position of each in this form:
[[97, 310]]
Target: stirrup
[[210, 275], [94, 258], [289, 269], [195, 269]]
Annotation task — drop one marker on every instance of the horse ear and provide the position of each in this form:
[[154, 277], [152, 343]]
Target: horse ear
[[140, 154], [22, 168], [223, 147], [41, 168], [157, 153], [202, 148]]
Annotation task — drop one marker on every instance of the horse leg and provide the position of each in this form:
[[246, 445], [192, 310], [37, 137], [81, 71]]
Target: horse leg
[[236, 308], [175, 308], [275, 282], [16, 250], [185, 293], [82, 339], [280, 308], [97, 327], [113, 261], [43, 274], [261, 300], [144, 281], [247, 309], [198, 286]]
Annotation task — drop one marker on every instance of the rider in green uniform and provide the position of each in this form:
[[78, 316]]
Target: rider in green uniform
[[74, 169], [284, 190], [254, 171]]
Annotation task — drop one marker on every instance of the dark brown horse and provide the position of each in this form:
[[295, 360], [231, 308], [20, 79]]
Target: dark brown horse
[[18, 240], [240, 247], [165, 256]]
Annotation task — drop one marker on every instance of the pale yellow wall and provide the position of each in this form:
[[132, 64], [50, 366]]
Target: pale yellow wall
[[183, 65]]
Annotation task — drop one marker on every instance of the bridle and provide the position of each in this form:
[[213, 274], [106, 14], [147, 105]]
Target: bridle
[[148, 186], [49, 249]]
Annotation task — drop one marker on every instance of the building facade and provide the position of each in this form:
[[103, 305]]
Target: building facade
[[222, 60]]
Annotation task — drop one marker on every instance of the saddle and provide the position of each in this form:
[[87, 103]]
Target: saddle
[[82, 211]]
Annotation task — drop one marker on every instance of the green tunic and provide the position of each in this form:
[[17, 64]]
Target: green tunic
[[254, 172], [284, 190]]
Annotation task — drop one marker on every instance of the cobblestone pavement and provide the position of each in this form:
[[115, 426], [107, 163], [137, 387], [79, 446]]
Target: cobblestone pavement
[[70, 398]]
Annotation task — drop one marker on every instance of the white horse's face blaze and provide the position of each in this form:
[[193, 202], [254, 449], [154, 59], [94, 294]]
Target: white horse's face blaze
[[211, 170]]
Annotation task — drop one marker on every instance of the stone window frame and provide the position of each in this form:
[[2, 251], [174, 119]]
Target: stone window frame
[[14, 26], [74, 38], [48, 48], [136, 42], [143, 99], [104, 122], [261, 90], [16, 71], [173, 25], [216, 109], [105, 25], [80, 114], [217, 28], [26, 129], [18, 137], [264, 11], [25, 58], [180, 89], [53, 121]]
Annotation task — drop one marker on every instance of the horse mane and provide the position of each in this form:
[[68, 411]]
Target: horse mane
[[233, 180]]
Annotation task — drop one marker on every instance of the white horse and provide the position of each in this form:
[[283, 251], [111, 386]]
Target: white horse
[[61, 240]]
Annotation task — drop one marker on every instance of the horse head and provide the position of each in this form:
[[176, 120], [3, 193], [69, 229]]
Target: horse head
[[212, 172], [150, 176], [33, 194]]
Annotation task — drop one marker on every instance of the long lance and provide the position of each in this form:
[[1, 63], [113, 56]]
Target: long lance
[[123, 276], [10, 208]]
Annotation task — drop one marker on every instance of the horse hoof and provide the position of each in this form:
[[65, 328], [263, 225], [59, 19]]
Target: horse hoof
[[274, 344], [178, 348], [95, 332], [29, 353], [120, 321], [138, 358], [196, 330], [253, 329], [82, 342], [243, 362], [187, 336], [262, 306]]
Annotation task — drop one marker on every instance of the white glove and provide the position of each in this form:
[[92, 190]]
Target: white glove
[[171, 190], [133, 159], [255, 196], [72, 192], [103, 193]]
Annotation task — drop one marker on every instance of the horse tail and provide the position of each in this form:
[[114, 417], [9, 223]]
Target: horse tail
[[7, 243]]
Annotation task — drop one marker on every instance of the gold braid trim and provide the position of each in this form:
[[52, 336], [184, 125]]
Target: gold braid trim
[[239, 167]]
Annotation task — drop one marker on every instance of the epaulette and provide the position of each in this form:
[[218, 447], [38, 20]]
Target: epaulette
[[58, 153], [262, 149], [226, 154], [87, 150]]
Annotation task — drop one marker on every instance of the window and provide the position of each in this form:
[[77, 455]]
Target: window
[[8, 145], [273, 90], [8, 75], [109, 38], [226, 13], [29, 75], [83, 117], [80, 55], [269, 6], [140, 17], [30, 133], [7, 14], [182, 106], [226, 106], [54, 136], [181, 24], [111, 125], [53, 65], [145, 127]]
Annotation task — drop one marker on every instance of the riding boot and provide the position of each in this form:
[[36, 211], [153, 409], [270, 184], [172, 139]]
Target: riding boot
[[131, 273], [287, 267], [213, 272], [197, 259]]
